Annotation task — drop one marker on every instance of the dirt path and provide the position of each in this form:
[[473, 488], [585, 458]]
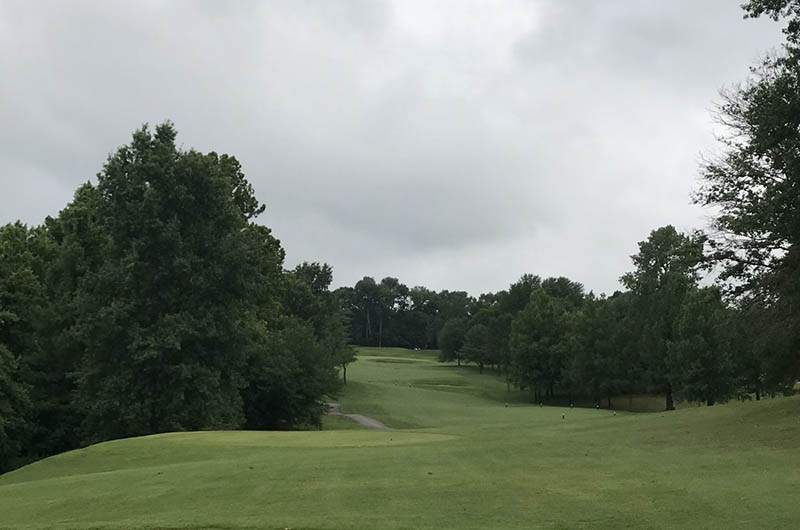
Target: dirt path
[[334, 409]]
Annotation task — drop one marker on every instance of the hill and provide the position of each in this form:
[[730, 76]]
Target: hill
[[463, 453]]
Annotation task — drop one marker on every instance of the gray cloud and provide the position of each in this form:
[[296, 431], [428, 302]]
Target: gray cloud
[[453, 144]]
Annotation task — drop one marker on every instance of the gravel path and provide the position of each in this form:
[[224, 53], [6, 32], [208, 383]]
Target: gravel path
[[334, 409]]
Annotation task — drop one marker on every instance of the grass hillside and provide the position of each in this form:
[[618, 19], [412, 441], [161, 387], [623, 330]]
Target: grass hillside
[[464, 453]]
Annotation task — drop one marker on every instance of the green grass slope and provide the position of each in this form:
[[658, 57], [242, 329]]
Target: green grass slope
[[464, 453]]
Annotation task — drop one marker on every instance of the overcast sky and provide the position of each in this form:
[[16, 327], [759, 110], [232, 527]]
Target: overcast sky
[[453, 144]]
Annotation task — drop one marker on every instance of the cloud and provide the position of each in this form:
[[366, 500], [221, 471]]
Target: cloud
[[451, 144]]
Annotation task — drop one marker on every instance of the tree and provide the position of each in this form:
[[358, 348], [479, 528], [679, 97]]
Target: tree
[[450, 305], [365, 301], [626, 342], [567, 290], [392, 301], [498, 326], [71, 248], [451, 340], [538, 343], [596, 363], [499, 332], [166, 320], [666, 269], [755, 187], [290, 371], [777, 9], [519, 293], [307, 296], [699, 358], [344, 357], [14, 404], [477, 348], [20, 306], [422, 318]]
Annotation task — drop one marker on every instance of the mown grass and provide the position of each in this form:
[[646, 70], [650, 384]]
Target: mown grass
[[465, 453]]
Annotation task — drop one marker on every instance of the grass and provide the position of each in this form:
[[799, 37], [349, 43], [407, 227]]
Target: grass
[[464, 454]]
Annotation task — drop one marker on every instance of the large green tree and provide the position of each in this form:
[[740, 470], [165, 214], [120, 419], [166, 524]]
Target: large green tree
[[307, 295], [755, 188], [20, 298], [539, 344], [15, 403], [700, 357], [164, 319], [289, 371], [595, 366], [451, 340], [477, 347], [665, 271], [71, 249]]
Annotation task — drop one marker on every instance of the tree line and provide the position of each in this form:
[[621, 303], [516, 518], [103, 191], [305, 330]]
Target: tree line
[[664, 334], [154, 302]]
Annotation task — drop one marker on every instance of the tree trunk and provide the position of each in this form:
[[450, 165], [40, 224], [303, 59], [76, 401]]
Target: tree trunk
[[480, 368], [380, 333], [758, 395], [344, 373], [609, 401], [670, 402]]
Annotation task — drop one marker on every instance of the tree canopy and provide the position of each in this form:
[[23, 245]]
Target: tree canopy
[[155, 302]]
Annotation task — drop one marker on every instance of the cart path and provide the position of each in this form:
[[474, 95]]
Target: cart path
[[334, 409]]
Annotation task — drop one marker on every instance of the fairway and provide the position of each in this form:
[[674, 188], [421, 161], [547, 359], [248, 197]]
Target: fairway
[[462, 453]]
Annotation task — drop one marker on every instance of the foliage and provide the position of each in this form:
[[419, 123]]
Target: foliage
[[755, 187], [596, 365], [477, 346], [666, 270], [700, 357], [14, 405], [289, 371], [153, 302], [163, 319], [451, 340], [777, 9], [20, 302], [538, 343]]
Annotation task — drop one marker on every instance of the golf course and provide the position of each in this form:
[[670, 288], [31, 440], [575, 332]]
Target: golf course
[[461, 452]]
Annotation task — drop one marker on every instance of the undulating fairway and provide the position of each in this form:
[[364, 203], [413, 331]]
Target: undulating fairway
[[464, 453]]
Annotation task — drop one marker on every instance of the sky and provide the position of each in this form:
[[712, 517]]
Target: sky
[[451, 144]]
